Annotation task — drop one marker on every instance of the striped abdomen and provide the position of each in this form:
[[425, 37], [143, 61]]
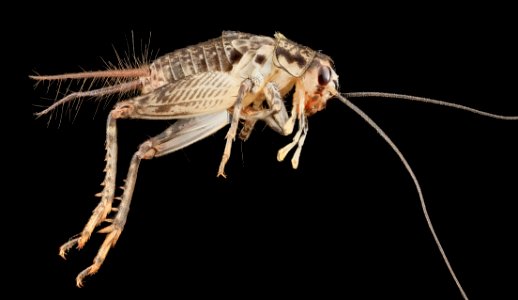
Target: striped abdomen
[[213, 55]]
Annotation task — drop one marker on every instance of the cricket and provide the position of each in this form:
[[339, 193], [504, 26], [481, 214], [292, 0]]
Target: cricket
[[235, 80]]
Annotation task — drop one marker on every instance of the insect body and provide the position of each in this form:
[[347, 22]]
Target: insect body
[[238, 77]]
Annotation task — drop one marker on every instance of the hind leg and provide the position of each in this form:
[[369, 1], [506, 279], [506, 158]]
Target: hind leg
[[177, 136], [105, 205]]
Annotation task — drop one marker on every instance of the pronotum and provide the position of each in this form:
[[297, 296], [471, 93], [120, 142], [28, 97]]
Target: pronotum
[[237, 79]]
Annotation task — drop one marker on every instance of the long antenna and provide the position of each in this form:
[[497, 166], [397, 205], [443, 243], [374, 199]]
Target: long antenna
[[429, 101], [414, 178]]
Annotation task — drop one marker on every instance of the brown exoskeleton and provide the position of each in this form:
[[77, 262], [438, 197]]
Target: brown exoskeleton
[[236, 77]]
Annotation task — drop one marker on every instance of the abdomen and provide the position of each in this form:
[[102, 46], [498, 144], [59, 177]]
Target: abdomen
[[214, 55]]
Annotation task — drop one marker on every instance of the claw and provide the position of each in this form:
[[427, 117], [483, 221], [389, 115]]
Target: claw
[[65, 247], [86, 272], [221, 170], [109, 242], [68, 245]]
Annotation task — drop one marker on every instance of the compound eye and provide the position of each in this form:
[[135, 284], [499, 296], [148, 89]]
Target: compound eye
[[324, 75]]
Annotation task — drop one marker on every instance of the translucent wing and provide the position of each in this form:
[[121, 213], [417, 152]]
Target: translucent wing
[[189, 131]]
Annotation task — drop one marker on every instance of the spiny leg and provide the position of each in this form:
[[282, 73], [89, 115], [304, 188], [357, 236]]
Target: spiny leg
[[105, 205], [245, 87], [114, 230], [177, 136]]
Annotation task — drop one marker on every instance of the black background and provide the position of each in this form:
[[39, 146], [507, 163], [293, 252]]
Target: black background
[[347, 222]]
